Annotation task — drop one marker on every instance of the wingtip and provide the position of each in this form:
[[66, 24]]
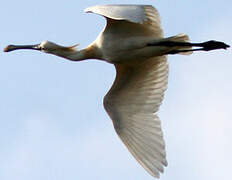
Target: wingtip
[[89, 9]]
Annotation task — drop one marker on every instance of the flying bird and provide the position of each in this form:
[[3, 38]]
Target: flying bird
[[133, 42]]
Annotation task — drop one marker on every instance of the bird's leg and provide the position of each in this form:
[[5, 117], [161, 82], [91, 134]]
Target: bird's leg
[[205, 46]]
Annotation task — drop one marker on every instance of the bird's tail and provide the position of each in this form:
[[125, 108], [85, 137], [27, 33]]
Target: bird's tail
[[181, 38]]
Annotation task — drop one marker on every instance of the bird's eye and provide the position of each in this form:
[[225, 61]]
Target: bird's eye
[[42, 48]]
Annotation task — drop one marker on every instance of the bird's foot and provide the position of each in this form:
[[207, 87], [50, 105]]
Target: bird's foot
[[212, 45]]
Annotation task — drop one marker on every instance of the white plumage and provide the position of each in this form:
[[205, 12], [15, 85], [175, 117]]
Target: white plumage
[[137, 92], [132, 104], [132, 13], [133, 41]]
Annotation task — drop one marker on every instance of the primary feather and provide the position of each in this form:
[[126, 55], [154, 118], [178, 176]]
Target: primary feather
[[132, 13], [144, 17]]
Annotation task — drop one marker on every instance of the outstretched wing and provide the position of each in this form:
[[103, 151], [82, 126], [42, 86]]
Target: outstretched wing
[[132, 104], [134, 19]]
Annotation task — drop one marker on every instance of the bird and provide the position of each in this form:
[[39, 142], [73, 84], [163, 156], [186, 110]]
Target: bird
[[133, 42]]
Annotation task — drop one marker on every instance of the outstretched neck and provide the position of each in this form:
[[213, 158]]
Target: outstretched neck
[[90, 52], [71, 53]]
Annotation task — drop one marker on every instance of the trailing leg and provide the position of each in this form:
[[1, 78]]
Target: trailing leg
[[179, 45]]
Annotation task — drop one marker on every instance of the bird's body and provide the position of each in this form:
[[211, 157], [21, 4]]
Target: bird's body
[[133, 41], [125, 38], [124, 50]]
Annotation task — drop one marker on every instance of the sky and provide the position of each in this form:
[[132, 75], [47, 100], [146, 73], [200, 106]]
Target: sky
[[52, 122]]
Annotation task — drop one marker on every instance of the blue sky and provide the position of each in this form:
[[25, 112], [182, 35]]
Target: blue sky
[[52, 122]]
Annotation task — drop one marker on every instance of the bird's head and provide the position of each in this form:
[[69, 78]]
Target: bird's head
[[45, 46]]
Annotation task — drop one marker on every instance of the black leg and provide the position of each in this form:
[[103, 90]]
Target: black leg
[[184, 50], [212, 45], [205, 46]]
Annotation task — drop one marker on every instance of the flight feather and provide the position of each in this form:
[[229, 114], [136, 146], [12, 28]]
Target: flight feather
[[132, 103]]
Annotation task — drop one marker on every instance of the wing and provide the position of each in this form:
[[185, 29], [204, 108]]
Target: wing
[[132, 103], [143, 19]]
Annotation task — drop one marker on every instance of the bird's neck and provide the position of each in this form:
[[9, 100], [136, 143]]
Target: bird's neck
[[90, 52]]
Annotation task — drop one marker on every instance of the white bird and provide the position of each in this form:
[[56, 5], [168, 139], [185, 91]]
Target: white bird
[[133, 41]]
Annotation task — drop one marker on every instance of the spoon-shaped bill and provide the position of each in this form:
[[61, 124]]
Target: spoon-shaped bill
[[17, 47]]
